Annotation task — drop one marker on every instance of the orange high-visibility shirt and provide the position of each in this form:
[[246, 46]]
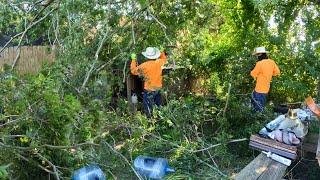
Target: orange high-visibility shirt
[[151, 72], [263, 71]]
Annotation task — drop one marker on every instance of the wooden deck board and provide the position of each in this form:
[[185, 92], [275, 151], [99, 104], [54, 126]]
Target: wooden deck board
[[275, 171], [262, 168], [255, 168]]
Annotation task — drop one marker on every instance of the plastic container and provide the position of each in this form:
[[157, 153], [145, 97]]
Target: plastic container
[[90, 172], [155, 168], [134, 98], [278, 158]]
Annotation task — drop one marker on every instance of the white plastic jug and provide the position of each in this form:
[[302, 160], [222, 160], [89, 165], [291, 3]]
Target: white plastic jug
[[155, 168], [88, 173], [134, 98]]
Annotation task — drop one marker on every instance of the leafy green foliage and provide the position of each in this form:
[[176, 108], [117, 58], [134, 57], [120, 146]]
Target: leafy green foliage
[[54, 117], [3, 171]]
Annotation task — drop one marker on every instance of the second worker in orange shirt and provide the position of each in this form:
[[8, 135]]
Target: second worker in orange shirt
[[151, 71], [263, 71]]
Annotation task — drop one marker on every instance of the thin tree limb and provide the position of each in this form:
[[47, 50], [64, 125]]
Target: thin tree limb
[[134, 44], [47, 3], [161, 24], [124, 72], [214, 168], [11, 38], [21, 33], [96, 55], [199, 150], [48, 146], [164, 27], [111, 34], [49, 39], [227, 102], [56, 31], [219, 144], [51, 164], [132, 33], [13, 136], [18, 119], [124, 158], [94, 62], [105, 64], [32, 23], [41, 167], [11, 122], [213, 161]]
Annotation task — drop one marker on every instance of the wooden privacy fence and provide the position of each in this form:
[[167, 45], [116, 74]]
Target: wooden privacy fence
[[31, 57]]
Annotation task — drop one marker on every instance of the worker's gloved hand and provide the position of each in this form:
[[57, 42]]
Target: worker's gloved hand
[[133, 56], [161, 48]]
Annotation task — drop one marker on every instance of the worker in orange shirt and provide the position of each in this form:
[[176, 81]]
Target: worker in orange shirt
[[263, 71], [151, 71]]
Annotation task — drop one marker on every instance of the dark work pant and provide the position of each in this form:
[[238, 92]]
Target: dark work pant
[[151, 98], [258, 101]]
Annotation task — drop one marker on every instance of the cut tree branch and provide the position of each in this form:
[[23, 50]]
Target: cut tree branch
[[214, 168], [219, 144], [22, 34], [94, 62], [41, 167], [48, 146], [124, 158], [96, 54], [56, 31], [164, 27], [227, 101], [51, 164], [88, 74], [32, 23], [190, 150]]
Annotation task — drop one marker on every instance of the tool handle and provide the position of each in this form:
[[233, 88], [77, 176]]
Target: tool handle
[[281, 159]]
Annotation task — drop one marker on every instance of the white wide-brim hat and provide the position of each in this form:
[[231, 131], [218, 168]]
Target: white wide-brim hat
[[259, 50], [151, 53]]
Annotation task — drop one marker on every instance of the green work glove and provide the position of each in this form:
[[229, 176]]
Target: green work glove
[[133, 56], [161, 48]]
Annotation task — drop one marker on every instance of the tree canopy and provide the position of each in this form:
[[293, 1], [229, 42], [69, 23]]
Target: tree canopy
[[60, 119]]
